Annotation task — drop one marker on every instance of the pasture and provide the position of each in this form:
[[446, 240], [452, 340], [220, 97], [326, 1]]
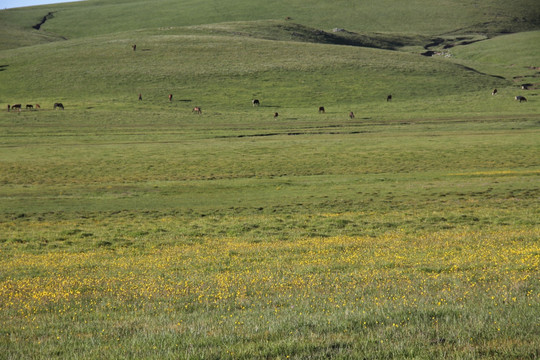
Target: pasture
[[140, 229]]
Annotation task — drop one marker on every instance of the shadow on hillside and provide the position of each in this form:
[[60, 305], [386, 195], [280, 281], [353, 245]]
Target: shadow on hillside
[[289, 31]]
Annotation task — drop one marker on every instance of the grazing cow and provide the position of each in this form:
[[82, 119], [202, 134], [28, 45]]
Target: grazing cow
[[134, 47], [389, 98], [38, 107], [351, 115], [58, 105], [321, 109], [520, 98], [16, 106], [494, 92], [255, 102], [29, 107], [524, 87], [197, 110], [276, 115], [170, 97], [8, 107], [140, 97]]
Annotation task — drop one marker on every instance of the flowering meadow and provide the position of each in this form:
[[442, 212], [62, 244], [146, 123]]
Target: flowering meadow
[[473, 294]]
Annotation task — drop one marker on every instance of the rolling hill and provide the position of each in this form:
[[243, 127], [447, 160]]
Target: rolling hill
[[417, 17], [81, 52]]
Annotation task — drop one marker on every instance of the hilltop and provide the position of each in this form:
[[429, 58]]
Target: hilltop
[[383, 18]]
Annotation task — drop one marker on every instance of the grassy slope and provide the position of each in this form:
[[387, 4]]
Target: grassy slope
[[518, 62], [199, 67]]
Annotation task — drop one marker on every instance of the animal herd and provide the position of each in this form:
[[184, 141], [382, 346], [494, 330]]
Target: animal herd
[[197, 109], [519, 98], [18, 107]]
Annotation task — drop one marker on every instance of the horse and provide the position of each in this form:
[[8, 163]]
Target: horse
[[29, 107], [197, 110], [58, 105], [351, 115], [389, 98], [520, 98], [321, 109], [255, 102]]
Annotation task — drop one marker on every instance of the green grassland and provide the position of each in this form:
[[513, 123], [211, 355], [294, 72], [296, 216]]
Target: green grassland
[[139, 229]]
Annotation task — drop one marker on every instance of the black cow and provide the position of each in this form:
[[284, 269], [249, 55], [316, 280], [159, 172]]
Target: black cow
[[494, 92], [16, 107], [58, 105], [29, 107], [321, 110], [276, 115], [389, 98], [255, 102], [520, 98]]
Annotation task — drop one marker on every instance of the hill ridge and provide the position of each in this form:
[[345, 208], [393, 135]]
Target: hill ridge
[[417, 18]]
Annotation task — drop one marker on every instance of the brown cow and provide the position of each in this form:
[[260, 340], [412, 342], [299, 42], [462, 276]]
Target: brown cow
[[197, 110], [351, 115]]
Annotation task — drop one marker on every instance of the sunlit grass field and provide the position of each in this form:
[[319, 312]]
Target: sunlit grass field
[[187, 236], [137, 229]]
